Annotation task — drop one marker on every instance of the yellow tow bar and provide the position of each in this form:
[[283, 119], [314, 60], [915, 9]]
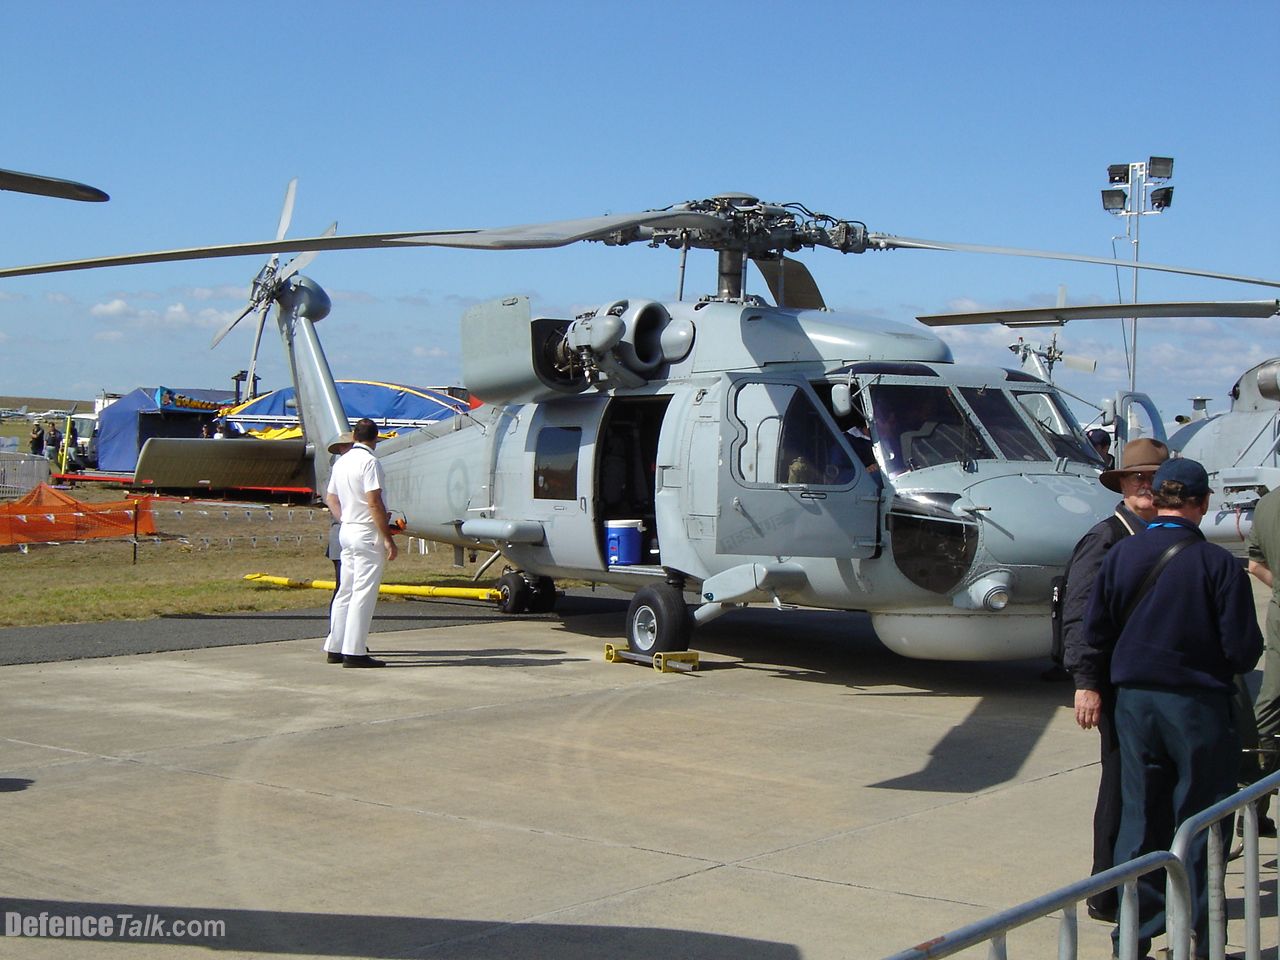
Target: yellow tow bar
[[391, 589]]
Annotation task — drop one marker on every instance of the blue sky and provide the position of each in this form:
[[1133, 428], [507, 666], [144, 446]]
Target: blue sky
[[981, 122]]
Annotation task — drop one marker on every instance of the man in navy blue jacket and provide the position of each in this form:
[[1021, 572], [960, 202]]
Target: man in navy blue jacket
[[1171, 648]]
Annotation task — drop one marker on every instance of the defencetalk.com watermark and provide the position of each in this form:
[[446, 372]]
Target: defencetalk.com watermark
[[124, 926]]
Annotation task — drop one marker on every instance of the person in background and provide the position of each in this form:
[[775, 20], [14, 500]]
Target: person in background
[[1100, 440], [52, 441], [354, 496], [206, 432], [37, 439], [1264, 559]]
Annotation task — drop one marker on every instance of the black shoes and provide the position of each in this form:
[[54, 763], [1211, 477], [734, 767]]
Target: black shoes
[[362, 661], [333, 658], [1105, 914]]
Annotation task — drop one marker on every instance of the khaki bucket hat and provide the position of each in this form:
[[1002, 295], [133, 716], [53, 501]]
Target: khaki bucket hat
[[341, 440], [1139, 456]]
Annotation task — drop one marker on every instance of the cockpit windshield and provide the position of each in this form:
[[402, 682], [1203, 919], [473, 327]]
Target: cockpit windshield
[[919, 425], [923, 426], [1057, 426]]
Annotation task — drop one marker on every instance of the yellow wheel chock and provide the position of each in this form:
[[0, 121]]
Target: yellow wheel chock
[[676, 661]]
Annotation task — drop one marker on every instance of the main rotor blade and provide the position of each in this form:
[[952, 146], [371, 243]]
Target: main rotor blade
[[1056, 316], [791, 284], [286, 213], [302, 259], [531, 236], [357, 242], [886, 241], [560, 233], [49, 187]]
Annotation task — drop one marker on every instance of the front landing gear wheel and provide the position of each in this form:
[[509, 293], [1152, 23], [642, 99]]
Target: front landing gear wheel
[[658, 620], [516, 593]]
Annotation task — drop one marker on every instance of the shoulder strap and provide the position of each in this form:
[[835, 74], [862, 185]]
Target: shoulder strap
[[1170, 552]]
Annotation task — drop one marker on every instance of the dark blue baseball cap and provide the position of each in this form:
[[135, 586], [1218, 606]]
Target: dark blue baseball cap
[[1190, 473]]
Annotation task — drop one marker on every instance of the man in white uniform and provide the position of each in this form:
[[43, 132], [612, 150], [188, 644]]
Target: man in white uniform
[[355, 498]]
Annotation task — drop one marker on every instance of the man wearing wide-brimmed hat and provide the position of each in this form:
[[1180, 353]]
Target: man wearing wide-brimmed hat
[[1093, 699]]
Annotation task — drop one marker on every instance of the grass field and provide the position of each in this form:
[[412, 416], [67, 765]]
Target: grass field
[[196, 565]]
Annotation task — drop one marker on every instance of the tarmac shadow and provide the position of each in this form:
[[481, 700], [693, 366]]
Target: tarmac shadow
[[255, 932]]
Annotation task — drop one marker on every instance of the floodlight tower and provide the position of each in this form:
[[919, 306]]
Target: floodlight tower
[[1137, 190]]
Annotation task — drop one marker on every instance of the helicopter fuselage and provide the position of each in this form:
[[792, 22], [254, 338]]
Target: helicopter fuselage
[[736, 468]]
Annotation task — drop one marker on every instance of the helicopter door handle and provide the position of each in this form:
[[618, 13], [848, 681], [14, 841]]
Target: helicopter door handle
[[812, 495], [582, 504], [737, 505]]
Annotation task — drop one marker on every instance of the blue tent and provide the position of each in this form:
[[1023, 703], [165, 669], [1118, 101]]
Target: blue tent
[[124, 426], [387, 404]]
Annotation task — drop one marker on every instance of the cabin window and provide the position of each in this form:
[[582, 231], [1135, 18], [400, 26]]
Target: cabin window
[[919, 426], [555, 463], [788, 441]]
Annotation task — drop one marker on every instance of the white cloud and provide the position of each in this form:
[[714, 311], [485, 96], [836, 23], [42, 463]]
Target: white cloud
[[108, 336], [176, 316], [431, 353], [224, 292], [6, 297], [113, 308]]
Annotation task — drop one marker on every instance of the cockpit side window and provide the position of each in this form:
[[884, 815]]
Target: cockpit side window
[[923, 426], [1057, 426], [787, 439]]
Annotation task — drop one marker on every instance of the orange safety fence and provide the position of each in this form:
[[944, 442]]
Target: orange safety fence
[[46, 515]]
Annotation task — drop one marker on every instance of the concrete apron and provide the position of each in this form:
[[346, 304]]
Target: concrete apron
[[501, 791]]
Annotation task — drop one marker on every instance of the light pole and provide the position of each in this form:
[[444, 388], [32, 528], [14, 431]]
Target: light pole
[[1137, 190]]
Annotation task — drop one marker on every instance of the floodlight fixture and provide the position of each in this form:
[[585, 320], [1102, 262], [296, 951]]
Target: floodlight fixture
[[1113, 201], [1162, 199], [1118, 173], [1159, 168]]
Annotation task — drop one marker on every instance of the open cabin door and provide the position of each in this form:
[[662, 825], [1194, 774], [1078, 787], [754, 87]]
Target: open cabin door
[[789, 482]]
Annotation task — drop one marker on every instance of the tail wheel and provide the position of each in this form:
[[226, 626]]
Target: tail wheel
[[516, 593], [658, 620], [544, 596]]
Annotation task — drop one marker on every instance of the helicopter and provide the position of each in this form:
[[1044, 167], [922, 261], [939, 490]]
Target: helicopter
[[712, 453]]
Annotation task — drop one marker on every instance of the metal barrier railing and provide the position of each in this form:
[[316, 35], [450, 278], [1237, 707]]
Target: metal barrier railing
[[1180, 938], [994, 929], [1178, 908], [21, 473]]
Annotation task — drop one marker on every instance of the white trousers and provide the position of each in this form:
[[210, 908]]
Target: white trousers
[[363, 557]]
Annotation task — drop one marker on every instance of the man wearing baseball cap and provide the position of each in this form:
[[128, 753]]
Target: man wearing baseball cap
[[1173, 616], [1133, 482]]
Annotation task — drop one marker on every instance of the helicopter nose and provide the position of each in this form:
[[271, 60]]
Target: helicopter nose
[[1036, 520]]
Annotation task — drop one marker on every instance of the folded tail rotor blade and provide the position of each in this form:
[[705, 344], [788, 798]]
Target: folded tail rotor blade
[[228, 328], [302, 259], [286, 213]]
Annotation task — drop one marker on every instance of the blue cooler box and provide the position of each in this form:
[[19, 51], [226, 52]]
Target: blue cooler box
[[623, 537]]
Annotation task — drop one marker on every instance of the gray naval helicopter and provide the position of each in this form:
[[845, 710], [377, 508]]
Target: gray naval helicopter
[[711, 453]]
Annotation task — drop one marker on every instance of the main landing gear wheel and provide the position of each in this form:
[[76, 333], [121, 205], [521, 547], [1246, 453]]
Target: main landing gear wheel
[[516, 593], [658, 620], [544, 596]]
